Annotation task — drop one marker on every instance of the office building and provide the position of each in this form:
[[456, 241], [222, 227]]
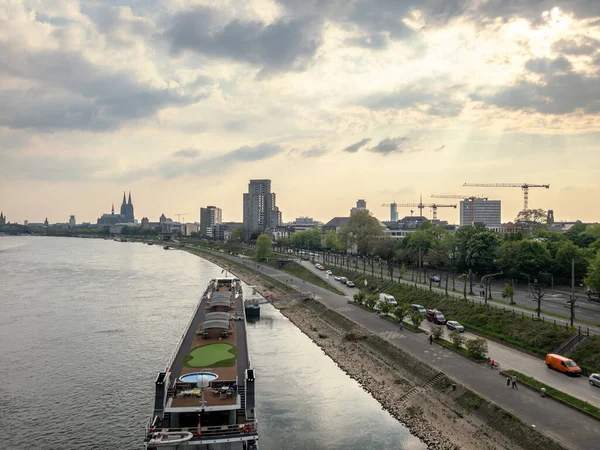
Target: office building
[[487, 212], [209, 217], [72, 221], [260, 210], [360, 205]]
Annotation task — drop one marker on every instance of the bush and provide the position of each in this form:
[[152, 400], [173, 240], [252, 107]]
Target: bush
[[385, 307], [401, 311], [437, 332], [457, 339], [477, 348], [416, 318], [360, 297], [371, 300]]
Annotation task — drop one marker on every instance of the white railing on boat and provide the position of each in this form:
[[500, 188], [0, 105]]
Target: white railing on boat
[[225, 431]]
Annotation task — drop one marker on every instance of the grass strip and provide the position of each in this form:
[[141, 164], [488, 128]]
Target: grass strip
[[573, 401], [297, 270]]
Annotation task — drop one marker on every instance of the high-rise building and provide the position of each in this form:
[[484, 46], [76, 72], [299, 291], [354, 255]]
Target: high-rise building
[[393, 212], [72, 221], [487, 212], [260, 210], [209, 217], [360, 205]]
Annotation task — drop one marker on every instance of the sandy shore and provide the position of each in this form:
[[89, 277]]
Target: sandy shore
[[433, 415]]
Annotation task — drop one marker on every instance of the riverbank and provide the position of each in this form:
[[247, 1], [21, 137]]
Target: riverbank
[[442, 417]]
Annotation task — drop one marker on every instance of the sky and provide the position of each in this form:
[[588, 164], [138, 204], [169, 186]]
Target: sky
[[182, 102]]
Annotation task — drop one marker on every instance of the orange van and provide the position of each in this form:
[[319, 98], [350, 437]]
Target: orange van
[[562, 364]]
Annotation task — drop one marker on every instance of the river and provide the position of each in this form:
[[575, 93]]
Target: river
[[85, 325]]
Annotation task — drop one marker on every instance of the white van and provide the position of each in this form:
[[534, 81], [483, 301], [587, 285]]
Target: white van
[[387, 298]]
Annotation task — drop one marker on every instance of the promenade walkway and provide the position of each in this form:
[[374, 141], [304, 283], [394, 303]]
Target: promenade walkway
[[573, 429]]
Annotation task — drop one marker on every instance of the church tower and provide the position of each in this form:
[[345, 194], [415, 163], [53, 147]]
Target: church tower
[[2, 219], [124, 206]]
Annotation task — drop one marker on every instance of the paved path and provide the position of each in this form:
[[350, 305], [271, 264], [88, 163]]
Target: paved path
[[510, 358], [573, 429]]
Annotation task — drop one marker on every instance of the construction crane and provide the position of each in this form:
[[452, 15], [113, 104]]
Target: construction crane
[[421, 206], [179, 215], [470, 198], [524, 186]]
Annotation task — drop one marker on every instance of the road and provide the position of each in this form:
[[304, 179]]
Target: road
[[587, 315], [574, 429]]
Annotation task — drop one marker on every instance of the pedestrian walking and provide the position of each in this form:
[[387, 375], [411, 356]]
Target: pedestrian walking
[[431, 339], [514, 382], [507, 382], [401, 326]]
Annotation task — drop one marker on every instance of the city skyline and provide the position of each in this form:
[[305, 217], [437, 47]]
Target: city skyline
[[332, 101]]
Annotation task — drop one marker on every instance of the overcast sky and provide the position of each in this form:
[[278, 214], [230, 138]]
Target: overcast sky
[[182, 102]]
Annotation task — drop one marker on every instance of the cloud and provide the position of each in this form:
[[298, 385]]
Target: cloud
[[375, 41], [547, 65], [391, 145], [283, 45], [357, 145], [585, 45], [561, 91], [315, 152], [52, 167], [187, 153], [420, 95], [63, 84]]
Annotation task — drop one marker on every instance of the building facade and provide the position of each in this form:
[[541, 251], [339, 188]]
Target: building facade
[[72, 222], [260, 210], [360, 205], [209, 217], [487, 212], [223, 230]]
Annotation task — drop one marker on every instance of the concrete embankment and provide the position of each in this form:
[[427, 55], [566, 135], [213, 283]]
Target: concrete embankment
[[444, 414]]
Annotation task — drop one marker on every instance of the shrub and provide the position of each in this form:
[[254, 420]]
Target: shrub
[[360, 297], [457, 339], [416, 318], [400, 312], [437, 332], [371, 300], [478, 348], [385, 307]]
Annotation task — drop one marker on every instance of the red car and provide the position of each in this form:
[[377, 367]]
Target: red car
[[435, 316]]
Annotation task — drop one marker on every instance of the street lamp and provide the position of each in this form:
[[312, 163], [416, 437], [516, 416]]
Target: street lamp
[[528, 284], [551, 278], [486, 280]]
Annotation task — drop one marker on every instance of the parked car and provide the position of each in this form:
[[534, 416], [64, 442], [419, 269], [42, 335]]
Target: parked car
[[350, 284], [343, 280], [435, 316], [595, 379], [336, 278], [319, 266], [454, 325], [387, 298], [329, 272], [421, 309], [562, 364], [436, 279]]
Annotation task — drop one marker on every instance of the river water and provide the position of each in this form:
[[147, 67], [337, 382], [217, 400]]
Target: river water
[[85, 325]]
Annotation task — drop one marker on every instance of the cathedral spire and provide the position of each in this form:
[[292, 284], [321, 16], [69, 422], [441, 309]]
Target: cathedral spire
[[129, 202], [124, 202], [113, 209]]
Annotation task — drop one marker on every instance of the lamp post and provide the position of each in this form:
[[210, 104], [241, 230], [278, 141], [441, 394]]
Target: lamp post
[[551, 278], [528, 284]]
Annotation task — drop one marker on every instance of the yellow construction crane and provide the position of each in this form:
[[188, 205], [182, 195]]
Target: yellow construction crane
[[470, 198], [524, 186]]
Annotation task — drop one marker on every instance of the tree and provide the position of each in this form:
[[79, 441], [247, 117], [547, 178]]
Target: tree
[[592, 280], [332, 241], [507, 292], [457, 339], [437, 332], [360, 297], [238, 234], [401, 311], [371, 300], [478, 348], [416, 318], [402, 271], [533, 218], [264, 247], [567, 251], [386, 250], [361, 230], [385, 307], [538, 295]]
